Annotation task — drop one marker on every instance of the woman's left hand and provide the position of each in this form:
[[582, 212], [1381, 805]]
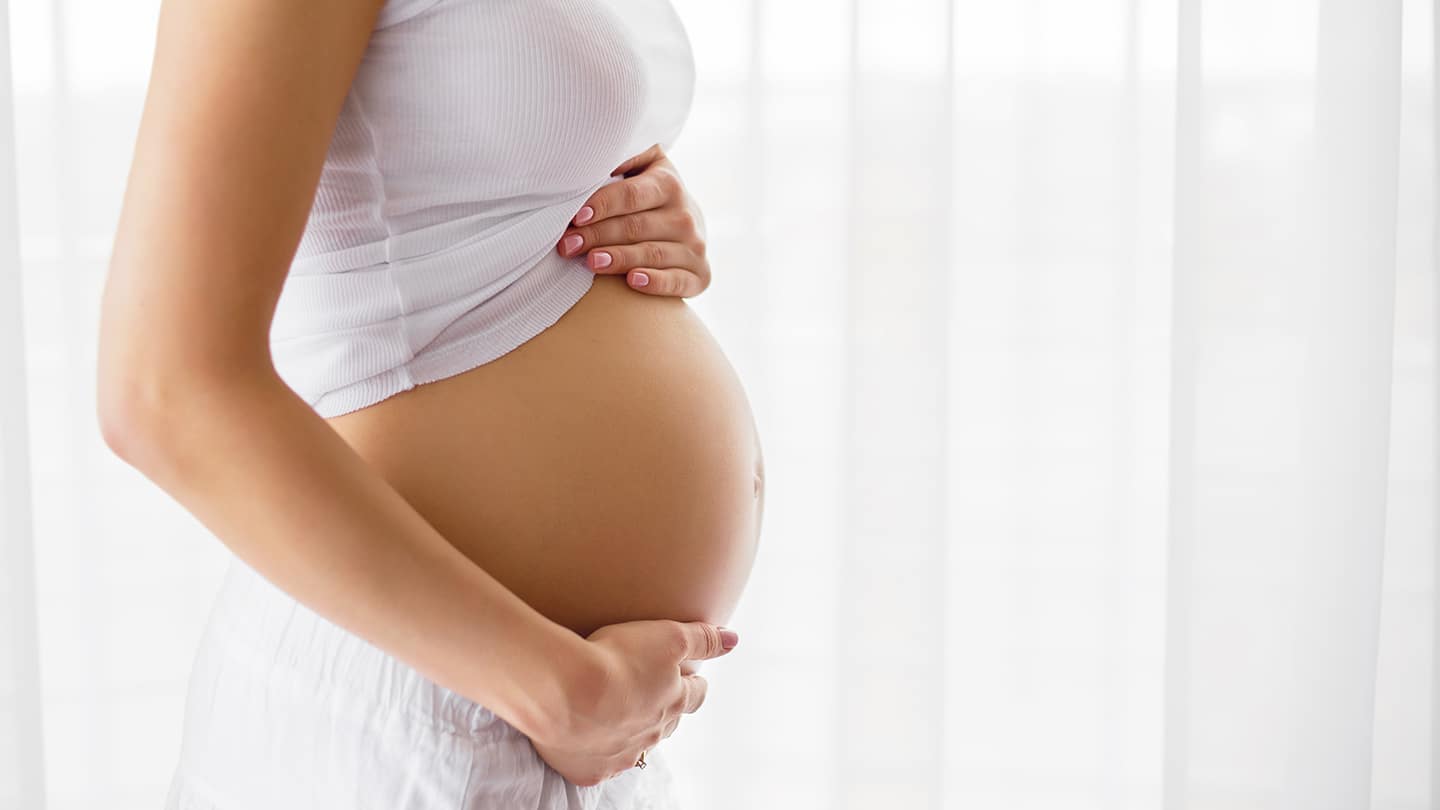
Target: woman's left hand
[[645, 226]]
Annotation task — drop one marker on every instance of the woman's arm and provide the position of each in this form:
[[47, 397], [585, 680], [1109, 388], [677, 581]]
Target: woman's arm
[[242, 103]]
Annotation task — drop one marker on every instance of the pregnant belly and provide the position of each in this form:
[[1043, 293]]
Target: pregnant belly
[[606, 470]]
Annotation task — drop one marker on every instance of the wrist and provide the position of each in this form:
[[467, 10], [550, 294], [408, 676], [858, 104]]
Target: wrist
[[565, 668]]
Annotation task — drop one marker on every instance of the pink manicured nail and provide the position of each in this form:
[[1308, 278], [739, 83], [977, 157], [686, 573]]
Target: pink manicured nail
[[599, 259], [573, 242], [584, 215], [728, 638], [640, 280]]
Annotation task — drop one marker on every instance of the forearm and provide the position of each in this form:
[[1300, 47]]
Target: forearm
[[291, 498]]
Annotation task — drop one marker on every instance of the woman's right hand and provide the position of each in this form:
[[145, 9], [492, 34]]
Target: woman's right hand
[[633, 696]]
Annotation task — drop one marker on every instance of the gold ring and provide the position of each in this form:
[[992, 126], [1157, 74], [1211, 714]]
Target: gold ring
[[640, 763]]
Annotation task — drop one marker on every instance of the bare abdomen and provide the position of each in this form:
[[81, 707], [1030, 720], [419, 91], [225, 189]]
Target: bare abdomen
[[606, 470]]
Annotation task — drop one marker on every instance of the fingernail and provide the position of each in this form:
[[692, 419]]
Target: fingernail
[[728, 638], [573, 242], [584, 215], [599, 259], [640, 280]]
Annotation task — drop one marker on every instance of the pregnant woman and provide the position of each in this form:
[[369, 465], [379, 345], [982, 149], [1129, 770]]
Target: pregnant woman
[[396, 310]]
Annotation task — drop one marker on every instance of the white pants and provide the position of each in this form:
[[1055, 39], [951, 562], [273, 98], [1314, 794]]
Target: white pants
[[288, 711]]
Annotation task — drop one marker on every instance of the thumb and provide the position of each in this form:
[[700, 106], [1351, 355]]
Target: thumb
[[704, 640]]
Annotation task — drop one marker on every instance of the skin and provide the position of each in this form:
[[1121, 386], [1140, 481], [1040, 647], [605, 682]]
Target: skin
[[606, 470], [243, 98], [646, 227]]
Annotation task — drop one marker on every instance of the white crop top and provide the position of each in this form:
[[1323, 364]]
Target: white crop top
[[472, 133]]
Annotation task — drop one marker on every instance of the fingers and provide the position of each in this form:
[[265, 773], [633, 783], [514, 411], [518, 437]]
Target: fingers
[[667, 225], [645, 158], [702, 640], [657, 187], [696, 688], [613, 259], [670, 282]]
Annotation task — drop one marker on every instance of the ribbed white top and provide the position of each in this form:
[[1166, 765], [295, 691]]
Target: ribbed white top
[[472, 133]]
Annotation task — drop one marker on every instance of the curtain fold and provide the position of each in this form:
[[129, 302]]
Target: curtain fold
[[894, 411], [1433, 735], [1284, 282], [21, 772], [1093, 347]]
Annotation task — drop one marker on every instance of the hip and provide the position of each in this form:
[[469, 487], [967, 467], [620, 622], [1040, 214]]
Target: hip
[[288, 710]]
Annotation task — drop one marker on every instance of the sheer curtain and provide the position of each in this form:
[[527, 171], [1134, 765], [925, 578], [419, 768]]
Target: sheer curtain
[[1093, 347]]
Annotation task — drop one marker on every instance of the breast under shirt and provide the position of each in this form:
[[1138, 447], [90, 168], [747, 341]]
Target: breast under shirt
[[473, 132]]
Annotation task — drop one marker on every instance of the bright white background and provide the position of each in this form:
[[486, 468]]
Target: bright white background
[[1093, 346]]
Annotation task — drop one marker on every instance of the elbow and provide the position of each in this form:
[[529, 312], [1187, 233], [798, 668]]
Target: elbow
[[156, 417], [112, 413], [158, 396], [142, 415], [131, 387], [128, 418], [111, 426], [164, 374]]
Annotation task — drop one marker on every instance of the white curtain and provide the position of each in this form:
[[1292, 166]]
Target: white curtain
[[1093, 348], [20, 769]]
